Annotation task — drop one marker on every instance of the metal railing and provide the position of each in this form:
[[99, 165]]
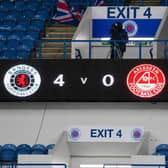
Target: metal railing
[[137, 43], [108, 165]]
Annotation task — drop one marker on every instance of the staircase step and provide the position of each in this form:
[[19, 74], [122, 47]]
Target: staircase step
[[55, 55], [54, 50], [55, 44], [59, 34], [60, 29], [56, 38]]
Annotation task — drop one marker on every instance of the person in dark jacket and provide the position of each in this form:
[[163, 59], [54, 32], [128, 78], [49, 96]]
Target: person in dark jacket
[[119, 47]]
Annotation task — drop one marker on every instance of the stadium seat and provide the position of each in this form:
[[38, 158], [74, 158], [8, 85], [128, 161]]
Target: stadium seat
[[3, 46], [28, 13], [28, 42], [23, 54], [12, 44], [23, 26], [15, 37], [14, 16], [29, 37], [8, 151], [32, 5], [37, 25], [32, 34], [6, 6], [24, 47], [19, 33], [50, 146], [41, 15], [7, 26], [23, 148], [2, 15], [162, 148], [39, 149], [19, 5], [4, 34]]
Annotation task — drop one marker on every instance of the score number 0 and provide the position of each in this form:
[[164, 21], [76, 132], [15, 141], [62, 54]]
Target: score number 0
[[107, 80]]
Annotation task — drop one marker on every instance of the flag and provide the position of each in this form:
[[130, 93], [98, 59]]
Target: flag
[[63, 14], [77, 13], [99, 2]]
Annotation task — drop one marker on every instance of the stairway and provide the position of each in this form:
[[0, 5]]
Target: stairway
[[145, 2], [55, 50]]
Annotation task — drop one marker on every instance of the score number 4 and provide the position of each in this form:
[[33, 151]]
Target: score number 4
[[107, 80], [59, 80]]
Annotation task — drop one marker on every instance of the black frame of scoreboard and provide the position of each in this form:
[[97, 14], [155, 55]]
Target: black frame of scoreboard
[[83, 80]]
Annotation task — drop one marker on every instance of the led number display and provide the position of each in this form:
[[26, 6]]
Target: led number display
[[84, 80], [146, 80]]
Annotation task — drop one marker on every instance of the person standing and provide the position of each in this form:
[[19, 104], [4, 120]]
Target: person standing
[[119, 38]]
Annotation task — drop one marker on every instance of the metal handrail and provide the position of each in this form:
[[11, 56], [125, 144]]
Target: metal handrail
[[109, 41]]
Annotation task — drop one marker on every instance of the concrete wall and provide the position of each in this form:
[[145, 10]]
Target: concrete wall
[[162, 34]]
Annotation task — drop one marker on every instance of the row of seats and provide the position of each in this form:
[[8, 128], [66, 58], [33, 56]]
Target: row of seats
[[9, 152], [162, 149], [21, 5], [21, 22], [85, 3], [164, 2]]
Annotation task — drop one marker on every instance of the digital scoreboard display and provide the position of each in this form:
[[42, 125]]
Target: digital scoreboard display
[[84, 80]]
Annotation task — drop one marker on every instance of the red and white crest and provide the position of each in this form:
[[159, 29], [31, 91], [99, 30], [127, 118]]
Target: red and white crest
[[146, 80]]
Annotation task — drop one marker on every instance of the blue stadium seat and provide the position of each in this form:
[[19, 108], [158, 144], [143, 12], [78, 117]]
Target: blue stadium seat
[[3, 36], [37, 25], [19, 33], [29, 43], [23, 54], [2, 15], [12, 44], [5, 32], [33, 34], [19, 5], [50, 146], [3, 46], [162, 148], [6, 26], [41, 15], [32, 5], [28, 13], [39, 149], [29, 37], [23, 148], [23, 26], [15, 37], [6, 6], [24, 47], [8, 151]]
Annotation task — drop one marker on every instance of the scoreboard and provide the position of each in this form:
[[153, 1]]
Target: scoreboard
[[84, 80]]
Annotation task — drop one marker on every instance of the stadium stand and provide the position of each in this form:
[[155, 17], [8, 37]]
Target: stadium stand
[[24, 149], [8, 153], [20, 25], [39, 149]]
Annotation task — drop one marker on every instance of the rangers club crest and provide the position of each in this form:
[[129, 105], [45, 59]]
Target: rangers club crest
[[146, 81], [22, 80], [130, 27]]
